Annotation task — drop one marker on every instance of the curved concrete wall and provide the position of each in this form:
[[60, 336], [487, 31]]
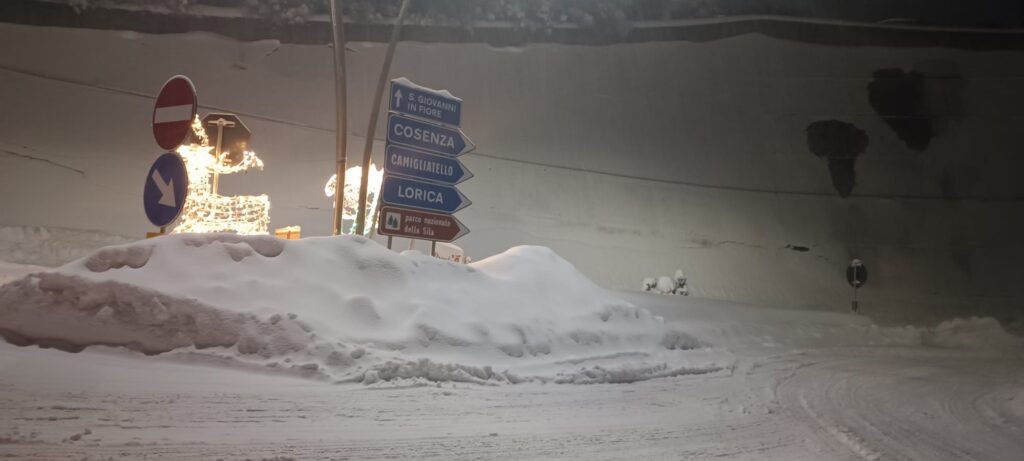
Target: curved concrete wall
[[629, 160]]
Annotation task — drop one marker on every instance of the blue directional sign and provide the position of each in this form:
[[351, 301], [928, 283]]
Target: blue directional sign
[[421, 165], [166, 186], [417, 101], [411, 193], [427, 136]]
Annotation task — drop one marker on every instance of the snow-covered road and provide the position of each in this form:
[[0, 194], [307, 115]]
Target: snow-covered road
[[844, 403], [909, 404], [697, 378]]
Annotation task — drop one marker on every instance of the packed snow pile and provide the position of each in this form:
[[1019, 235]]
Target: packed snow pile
[[347, 308], [973, 333], [744, 327], [51, 246], [12, 271]]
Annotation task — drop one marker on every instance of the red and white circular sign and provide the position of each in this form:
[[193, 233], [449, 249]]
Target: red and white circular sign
[[175, 109]]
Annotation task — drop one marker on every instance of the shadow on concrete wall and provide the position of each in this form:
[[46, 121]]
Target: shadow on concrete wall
[[840, 143], [918, 104]]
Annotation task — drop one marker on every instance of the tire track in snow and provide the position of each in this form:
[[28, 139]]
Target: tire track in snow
[[842, 434], [882, 405]]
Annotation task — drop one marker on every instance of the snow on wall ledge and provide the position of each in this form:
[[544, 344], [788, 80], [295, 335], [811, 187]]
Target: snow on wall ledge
[[628, 160], [349, 309]]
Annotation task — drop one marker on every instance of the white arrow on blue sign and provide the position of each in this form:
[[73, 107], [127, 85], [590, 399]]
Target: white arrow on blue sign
[[163, 196], [427, 136], [421, 165], [410, 99], [411, 193]]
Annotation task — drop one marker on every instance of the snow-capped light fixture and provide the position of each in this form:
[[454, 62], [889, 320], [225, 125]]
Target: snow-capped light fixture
[[205, 211], [351, 201]]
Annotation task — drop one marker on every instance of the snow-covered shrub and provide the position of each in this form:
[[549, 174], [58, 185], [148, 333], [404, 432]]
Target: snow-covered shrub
[[286, 11], [675, 285], [649, 283], [665, 284]]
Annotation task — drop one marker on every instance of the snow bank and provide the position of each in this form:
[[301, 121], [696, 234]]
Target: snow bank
[[345, 308], [741, 326], [12, 271], [973, 333], [49, 246]]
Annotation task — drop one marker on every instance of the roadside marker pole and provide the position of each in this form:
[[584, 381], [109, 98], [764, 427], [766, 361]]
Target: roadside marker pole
[[857, 276], [374, 113], [339, 108]]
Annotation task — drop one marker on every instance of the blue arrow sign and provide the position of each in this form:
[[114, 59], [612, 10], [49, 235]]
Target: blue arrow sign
[[423, 195], [427, 136], [421, 165], [417, 101], [163, 196]]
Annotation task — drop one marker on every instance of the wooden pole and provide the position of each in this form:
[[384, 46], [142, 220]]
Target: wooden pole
[[374, 114], [338, 28]]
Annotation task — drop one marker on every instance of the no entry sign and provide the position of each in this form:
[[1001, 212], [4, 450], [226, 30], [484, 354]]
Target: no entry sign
[[174, 111], [402, 222]]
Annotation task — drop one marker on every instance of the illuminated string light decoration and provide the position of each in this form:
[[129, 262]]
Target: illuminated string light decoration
[[350, 204], [205, 211]]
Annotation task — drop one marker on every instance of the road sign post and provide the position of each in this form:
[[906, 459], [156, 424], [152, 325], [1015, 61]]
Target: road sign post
[[856, 276], [409, 98], [411, 193], [421, 168], [419, 164], [428, 137], [417, 224], [173, 112], [165, 190]]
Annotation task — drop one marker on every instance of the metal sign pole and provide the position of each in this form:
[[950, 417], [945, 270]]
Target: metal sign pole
[[374, 113], [856, 284], [217, 153], [433, 248], [389, 242], [338, 28]]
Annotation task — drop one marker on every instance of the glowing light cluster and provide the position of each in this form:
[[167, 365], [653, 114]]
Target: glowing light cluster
[[205, 211], [350, 204]]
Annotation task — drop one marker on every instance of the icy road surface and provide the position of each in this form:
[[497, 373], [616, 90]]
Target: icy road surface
[[782, 403]]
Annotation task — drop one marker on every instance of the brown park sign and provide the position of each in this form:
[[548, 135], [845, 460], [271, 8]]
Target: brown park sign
[[403, 222]]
